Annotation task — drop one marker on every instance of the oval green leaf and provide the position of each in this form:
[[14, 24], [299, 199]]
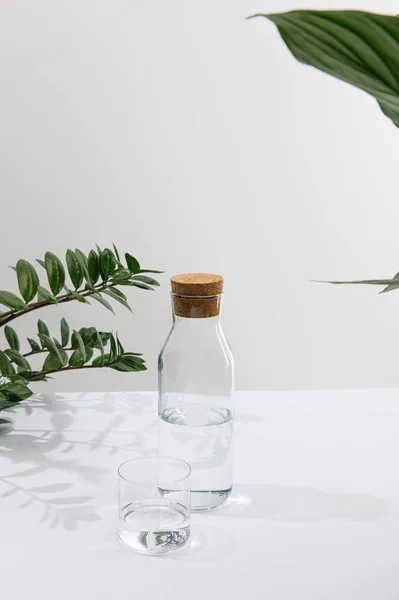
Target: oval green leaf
[[55, 272], [28, 280], [93, 267], [11, 337], [145, 279], [12, 301], [82, 258], [102, 301], [42, 328], [107, 263], [6, 367], [64, 332], [74, 268], [44, 294], [34, 345], [52, 362], [132, 263], [18, 359]]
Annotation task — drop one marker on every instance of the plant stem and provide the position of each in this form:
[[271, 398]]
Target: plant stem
[[14, 314]]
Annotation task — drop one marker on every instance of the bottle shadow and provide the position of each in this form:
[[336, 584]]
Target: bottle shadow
[[300, 504]]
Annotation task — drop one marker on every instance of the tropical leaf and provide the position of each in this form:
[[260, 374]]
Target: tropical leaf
[[74, 269], [28, 280], [55, 272], [358, 47], [11, 337], [361, 282]]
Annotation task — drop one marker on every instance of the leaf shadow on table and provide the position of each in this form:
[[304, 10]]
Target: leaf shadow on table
[[45, 450], [300, 504]]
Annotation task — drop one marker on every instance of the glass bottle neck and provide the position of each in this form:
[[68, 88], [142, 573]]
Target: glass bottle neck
[[200, 310]]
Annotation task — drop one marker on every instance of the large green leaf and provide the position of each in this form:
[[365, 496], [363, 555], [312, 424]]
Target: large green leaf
[[358, 47], [55, 272], [28, 280]]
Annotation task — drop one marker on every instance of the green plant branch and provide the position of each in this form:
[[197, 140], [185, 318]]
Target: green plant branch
[[9, 316], [98, 275]]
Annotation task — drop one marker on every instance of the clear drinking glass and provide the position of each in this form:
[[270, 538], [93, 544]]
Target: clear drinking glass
[[196, 373], [154, 504]]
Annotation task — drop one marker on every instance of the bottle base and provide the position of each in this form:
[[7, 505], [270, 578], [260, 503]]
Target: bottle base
[[202, 501]]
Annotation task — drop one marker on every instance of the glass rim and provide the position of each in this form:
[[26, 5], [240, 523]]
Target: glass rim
[[196, 297], [152, 459]]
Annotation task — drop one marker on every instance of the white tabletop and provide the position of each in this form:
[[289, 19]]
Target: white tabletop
[[314, 514]]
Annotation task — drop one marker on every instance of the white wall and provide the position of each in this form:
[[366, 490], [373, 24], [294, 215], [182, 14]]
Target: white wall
[[194, 140]]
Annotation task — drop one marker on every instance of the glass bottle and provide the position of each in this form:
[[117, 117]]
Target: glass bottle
[[196, 378]]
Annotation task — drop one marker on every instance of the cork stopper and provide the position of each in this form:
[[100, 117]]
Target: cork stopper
[[196, 295]]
